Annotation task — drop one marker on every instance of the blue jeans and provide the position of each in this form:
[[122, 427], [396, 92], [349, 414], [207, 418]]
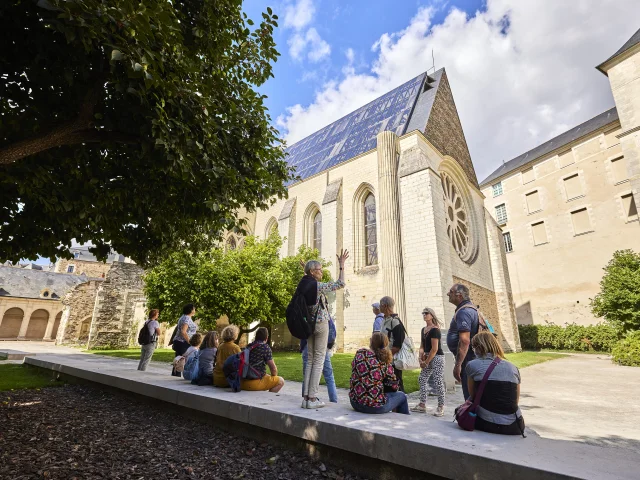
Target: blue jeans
[[327, 373], [395, 400]]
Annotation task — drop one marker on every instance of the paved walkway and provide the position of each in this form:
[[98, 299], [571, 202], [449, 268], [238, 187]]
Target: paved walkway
[[583, 398]]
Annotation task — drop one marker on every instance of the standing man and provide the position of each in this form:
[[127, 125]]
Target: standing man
[[379, 320], [148, 349], [394, 329], [464, 326]]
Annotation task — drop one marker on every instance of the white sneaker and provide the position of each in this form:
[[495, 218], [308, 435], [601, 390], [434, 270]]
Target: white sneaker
[[439, 412], [315, 404], [304, 403]]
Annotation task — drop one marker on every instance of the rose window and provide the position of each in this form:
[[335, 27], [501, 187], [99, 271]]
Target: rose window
[[457, 218]]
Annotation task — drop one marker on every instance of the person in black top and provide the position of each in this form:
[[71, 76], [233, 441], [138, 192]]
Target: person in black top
[[393, 328], [431, 362]]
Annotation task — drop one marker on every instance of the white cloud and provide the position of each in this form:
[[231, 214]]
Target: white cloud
[[521, 71], [309, 44], [299, 14]]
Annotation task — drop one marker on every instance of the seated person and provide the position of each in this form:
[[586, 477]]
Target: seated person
[[225, 350], [259, 358], [372, 375], [207, 359], [498, 411], [194, 345]]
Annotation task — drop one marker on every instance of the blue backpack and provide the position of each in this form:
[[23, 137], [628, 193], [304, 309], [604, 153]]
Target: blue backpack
[[192, 367], [236, 367]]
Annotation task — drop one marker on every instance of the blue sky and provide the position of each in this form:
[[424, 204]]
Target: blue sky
[[355, 24], [521, 71]]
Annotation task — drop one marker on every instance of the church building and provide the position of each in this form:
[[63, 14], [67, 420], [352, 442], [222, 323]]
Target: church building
[[393, 182]]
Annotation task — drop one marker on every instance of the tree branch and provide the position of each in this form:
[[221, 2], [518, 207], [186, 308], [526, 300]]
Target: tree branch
[[69, 133]]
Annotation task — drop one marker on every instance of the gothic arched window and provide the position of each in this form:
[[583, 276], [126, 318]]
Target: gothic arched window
[[317, 231], [370, 238], [231, 243]]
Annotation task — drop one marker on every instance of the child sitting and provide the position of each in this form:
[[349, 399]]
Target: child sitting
[[208, 351], [180, 361]]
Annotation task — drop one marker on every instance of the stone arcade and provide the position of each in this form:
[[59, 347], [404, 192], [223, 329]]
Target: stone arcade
[[393, 182]]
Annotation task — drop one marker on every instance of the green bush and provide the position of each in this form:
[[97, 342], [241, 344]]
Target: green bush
[[600, 338], [627, 350]]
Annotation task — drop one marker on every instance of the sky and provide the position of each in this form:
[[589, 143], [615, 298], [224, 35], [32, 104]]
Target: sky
[[521, 71]]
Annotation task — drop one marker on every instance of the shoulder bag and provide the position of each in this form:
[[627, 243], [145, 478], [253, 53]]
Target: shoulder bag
[[407, 357], [466, 414]]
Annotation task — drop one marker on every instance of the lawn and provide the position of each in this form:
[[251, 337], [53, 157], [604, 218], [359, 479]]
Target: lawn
[[15, 376], [290, 363]]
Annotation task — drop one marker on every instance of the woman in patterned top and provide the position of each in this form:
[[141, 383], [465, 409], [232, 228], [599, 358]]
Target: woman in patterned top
[[314, 291], [185, 329], [371, 373]]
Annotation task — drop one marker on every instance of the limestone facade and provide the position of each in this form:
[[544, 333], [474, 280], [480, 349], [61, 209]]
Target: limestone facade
[[417, 260], [89, 268], [78, 313], [565, 212]]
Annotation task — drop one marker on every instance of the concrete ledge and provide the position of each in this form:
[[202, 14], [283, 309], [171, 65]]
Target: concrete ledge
[[414, 442], [14, 355]]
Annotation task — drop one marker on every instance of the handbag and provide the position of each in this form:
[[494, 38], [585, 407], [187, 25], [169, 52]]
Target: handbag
[[407, 357], [466, 414]]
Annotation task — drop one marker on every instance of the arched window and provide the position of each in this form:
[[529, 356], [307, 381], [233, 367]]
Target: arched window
[[370, 238], [317, 231], [231, 243], [272, 227]]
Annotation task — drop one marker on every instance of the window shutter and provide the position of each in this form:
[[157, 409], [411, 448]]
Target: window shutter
[[533, 202], [581, 222], [539, 233]]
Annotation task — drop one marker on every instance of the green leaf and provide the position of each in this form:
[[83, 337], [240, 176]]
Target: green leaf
[[116, 55]]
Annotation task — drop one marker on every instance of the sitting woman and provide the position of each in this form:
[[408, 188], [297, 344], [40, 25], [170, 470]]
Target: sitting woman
[[371, 374], [228, 348], [498, 411], [207, 359]]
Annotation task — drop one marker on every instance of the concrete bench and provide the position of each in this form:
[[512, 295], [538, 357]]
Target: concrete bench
[[14, 354], [415, 442]]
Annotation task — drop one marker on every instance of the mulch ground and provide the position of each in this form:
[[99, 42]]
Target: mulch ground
[[81, 432]]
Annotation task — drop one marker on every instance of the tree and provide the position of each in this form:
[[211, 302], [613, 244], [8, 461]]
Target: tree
[[247, 285], [619, 298], [133, 125]]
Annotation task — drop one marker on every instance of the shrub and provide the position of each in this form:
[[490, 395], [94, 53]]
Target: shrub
[[619, 298], [600, 337], [627, 350]]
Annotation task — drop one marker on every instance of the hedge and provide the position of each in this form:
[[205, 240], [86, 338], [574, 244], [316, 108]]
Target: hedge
[[601, 337], [627, 350]]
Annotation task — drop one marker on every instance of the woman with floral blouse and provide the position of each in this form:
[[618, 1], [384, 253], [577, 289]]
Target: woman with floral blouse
[[372, 374]]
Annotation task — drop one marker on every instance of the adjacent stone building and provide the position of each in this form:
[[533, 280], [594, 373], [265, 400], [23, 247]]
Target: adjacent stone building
[[30, 302], [393, 183], [567, 205]]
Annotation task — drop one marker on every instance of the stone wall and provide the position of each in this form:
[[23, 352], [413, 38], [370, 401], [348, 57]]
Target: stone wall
[[90, 269], [444, 130], [114, 322], [78, 307], [485, 298]]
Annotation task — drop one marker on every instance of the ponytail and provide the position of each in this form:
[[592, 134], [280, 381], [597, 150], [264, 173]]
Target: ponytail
[[380, 347]]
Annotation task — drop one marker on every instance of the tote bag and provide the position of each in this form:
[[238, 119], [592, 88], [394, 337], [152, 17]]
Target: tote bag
[[407, 357]]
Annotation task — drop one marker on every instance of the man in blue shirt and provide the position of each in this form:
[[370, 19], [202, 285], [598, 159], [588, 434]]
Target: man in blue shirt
[[379, 320], [464, 326]]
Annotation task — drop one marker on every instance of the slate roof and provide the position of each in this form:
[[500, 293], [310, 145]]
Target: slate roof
[[560, 141], [84, 254], [634, 40], [25, 283], [403, 109]]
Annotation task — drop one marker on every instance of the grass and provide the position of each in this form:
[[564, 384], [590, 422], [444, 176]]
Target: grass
[[290, 366], [290, 363], [159, 355], [15, 376]]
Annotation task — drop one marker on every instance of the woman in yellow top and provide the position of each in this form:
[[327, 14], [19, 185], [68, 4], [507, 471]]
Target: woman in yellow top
[[225, 350]]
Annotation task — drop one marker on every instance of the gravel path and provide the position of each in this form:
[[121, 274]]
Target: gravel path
[[81, 432]]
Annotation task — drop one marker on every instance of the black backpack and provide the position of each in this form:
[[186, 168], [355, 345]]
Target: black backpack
[[299, 320], [145, 337]]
